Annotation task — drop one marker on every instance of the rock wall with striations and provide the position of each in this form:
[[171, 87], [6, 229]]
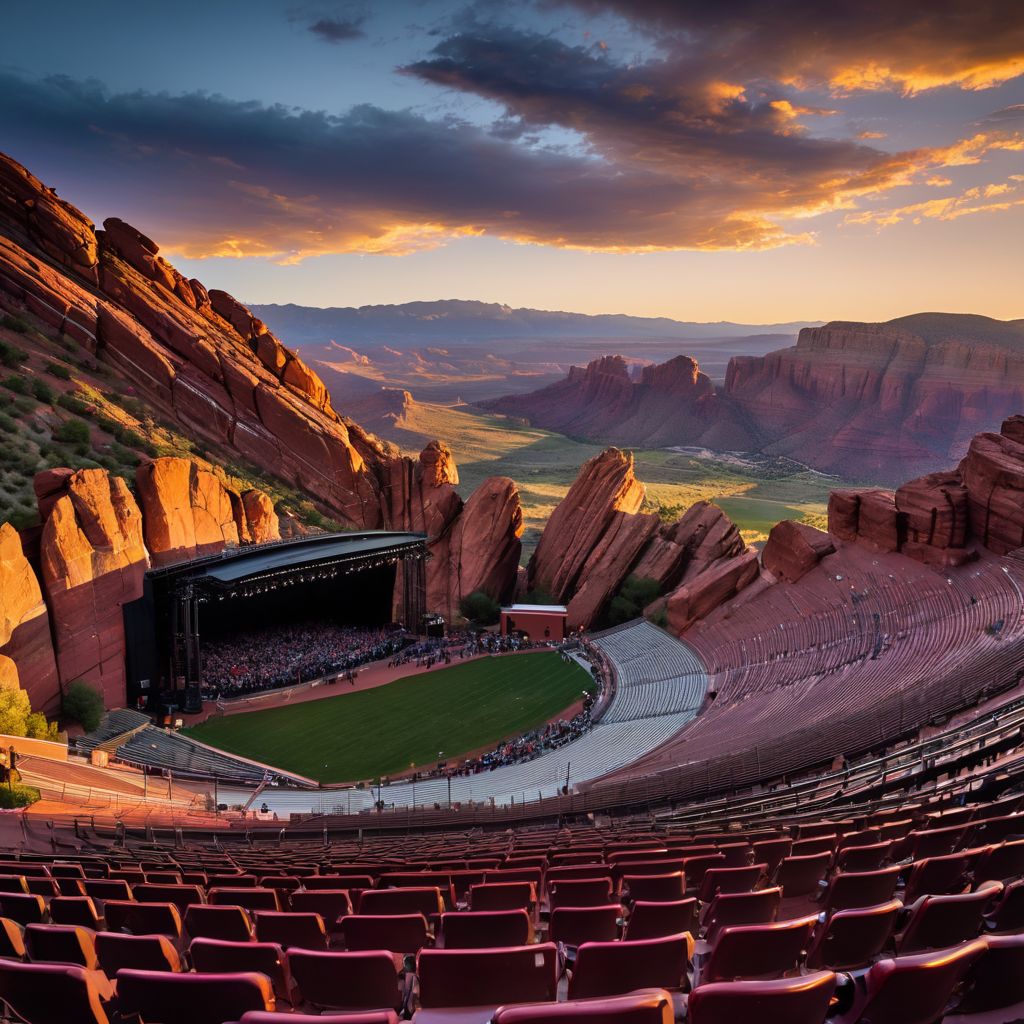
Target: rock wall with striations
[[26, 651]]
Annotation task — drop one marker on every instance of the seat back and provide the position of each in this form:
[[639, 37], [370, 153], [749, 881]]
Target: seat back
[[250, 897], [424, 900], [52, 993], [668, 888], [576, 925], [330, 904], [12, 941], [752, 951], [659, 920], [1008, 914], [107, 889], [863, 858], [649, 1006], [78, 910], [13, 883], [487, 977], [180, 895], [346, 981], [136, 952], [142, 918], [613, 968], [231, 924], [579, 892], [735, 908], [399, 933], [996, 978], [485, 929], [861, 889], [799, 875], [61, 944], [936, 876], [214, 956], [25, 908], [852, 939], [916, 989], [938, 922], [192, 998], [770, 853], [290, 929], [1001, 863], [803, 1000], [503, 896], [730, 880]]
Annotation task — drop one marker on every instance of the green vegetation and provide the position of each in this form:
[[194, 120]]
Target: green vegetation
[[58, 370], [72, 432], [11, 356], [17, 795], [481, 608], [385, 730], [15, 323], [635, 594], [84, 704], [18, 719]]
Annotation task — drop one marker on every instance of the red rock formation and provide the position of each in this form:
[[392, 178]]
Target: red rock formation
[[793, 549], [867, 516], [25, 627], [485, 544], [260, 518], [93, 561], [605, 486], [993, 473], [711, 588], [9, 678], [934, 511]]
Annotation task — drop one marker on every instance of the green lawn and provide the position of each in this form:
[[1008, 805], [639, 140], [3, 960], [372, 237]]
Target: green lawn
[[382, 731]]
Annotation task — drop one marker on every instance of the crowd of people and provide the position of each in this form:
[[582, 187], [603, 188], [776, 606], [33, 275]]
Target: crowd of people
[[286, 655], [459, 645]]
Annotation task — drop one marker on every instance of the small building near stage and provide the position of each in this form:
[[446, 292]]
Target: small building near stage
[[539, 622]]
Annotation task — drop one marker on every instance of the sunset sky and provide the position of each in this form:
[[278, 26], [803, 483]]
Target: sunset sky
[[735, 160]]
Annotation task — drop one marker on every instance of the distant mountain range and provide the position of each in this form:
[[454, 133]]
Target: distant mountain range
[[455, 320]]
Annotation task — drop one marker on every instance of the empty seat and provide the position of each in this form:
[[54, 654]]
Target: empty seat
[[13, 883], [78, 910], [414, 900], [1008, 914], [649, 1006], [995, 980], [741, 908], [770, 853], [55, 993], [214, 956], [911, 989], [579, 892], [658, 920], [346, 981], [231, 924], [937, 922], [503, 896], [575, 925], [330, 904], [23, 907], [803, 1000], [614, 968], [860, 889], [668, 888], [485, 978], [305, 931], [161, 998], [12, 941], [863, 858], [252, 898], [936, 876], [107, 889], [135, 952], [60, 944], [1001, 863], [756, 951], [852, 939], [484, 929], [180, 895], [399, 933], [729, 880], [369, 1017], [799, 875], [143, 918]]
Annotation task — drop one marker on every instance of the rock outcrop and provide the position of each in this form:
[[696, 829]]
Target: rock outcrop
[[794, 549], [711, 588], [993, 475], [93, 560], [26, 651]]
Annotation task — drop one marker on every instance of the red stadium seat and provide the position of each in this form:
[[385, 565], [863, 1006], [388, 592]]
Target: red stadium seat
[[78, 910], [180, 895], [758, 951], [426, 901], [503, 896], [659, 920], [484, 929], [730, 880], [347, 981], [770, 852], [579, 892], [136, 952], [12, 940], [650, 1006], [995, 981], [25, 908], [373, 1017], [331, 904], [863, 858], [1008, 915], [107, 889], [143, 918], [860, 889], [55, 993], [799, 875], [803, 1000], [614, 968], [13, 883], [668, 888], [232, 924], [251, 898], [214, 956], [741, 908], [852, 939], [937, 922], [399, 933], [575, 925], [291, 930], [161, 998], [61, 944]]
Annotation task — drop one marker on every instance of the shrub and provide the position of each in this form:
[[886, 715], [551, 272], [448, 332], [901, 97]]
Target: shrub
[[23, 519], [16, 324], [73, 404], [73, 432], [84, 704], [12, 356], [7, 424], [38, 728], [16, 384], [58, 370], [635, 594], [43, 391], [480, 607], [18, 795], [14, 712]]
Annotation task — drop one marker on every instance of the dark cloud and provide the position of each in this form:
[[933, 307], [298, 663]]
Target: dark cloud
[[337, 30], [847, 45], [1006, 115]]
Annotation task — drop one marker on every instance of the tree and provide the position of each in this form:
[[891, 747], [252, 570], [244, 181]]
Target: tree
[[14, 712], [84, 704], [635, 594], [480, 607], [38, 728]]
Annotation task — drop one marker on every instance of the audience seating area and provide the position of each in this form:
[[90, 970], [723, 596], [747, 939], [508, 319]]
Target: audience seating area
[[908, 912]]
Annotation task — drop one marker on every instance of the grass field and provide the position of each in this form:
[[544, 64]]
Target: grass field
[[545, 464], [384, 730]]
